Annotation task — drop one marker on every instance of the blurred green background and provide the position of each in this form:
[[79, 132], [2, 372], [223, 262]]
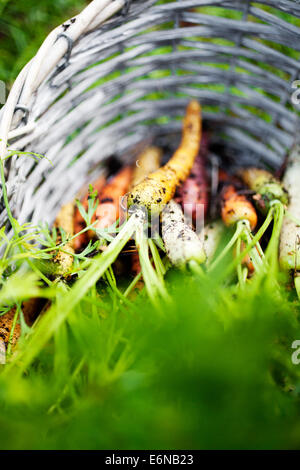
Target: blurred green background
[[215, 371]]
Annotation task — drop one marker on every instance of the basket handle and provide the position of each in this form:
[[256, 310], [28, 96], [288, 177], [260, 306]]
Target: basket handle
[[47, 58]]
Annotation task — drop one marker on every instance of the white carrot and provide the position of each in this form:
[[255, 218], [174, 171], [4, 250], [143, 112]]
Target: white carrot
[[211, 236], [181, 242], [266, 186], [289, 257]]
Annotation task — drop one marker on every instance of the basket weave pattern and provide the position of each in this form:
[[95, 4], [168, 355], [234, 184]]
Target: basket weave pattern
[[104, 85]]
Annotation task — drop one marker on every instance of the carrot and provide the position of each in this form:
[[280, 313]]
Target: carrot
[[247, 261], [136, 270], [210, 236], [148, 162], [236, 207], [181, 242], [31, 309], [194, 191], [159, 187], [65, 220], [290, 232], [271, 198], [135, 264], [267, 187], [184, 24], [108, 210], [79, 224], [2, 351], [6, 326], [225, 177], [239, 212]]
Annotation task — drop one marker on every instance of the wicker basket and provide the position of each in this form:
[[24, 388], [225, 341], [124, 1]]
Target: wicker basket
[[104, 85]]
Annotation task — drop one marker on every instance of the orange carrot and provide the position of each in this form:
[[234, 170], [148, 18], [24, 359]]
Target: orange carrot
[[149, 161], [108, 210], [136, 269], [79, 224], [247, 261], [236, 207], [225, 177]]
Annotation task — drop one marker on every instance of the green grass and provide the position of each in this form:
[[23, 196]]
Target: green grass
[[212, 370]]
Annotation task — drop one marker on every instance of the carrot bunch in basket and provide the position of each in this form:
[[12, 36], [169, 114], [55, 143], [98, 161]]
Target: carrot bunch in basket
[[178, 194]]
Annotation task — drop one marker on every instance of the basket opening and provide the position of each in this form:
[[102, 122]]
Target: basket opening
[[127, 85]]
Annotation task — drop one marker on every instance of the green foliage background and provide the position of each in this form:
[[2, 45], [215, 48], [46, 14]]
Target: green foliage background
[[213, 371]]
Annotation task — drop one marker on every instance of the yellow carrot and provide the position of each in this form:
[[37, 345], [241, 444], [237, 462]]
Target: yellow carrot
[[148, 162]]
